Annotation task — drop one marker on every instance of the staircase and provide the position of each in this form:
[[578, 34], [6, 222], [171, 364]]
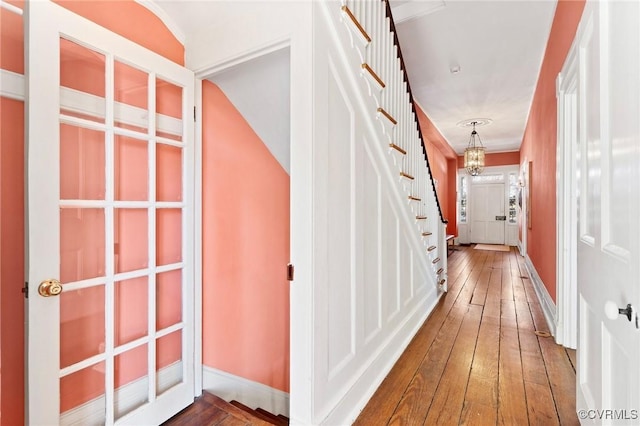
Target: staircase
[[209, 409], [375, 43]]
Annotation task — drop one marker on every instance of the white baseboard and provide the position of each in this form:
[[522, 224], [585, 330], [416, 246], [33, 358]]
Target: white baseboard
[[126, 398], [356, 398], [252, 394], [547, 304]]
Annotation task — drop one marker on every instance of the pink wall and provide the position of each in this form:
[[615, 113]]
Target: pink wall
[[245, 248], [539, 144], [442, 159], [496, 159], [11, 227], [128, 19]]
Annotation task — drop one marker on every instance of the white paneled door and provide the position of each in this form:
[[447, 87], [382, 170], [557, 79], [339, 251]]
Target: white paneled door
[[487, 213], [110, 226], [608, 226]]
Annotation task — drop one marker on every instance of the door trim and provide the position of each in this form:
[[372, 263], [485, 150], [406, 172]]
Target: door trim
[[567, 208]]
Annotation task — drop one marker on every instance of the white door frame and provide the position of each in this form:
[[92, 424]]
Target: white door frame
[[567, 208]]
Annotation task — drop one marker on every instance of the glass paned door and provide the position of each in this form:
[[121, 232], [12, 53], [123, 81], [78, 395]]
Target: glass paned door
[[111, 220]]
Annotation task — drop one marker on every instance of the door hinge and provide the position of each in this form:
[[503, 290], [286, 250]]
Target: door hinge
[[290, 271], [194, 114], [25, 290]]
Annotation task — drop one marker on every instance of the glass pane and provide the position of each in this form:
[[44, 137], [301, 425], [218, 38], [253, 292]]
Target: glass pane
[[168, 361], [168, 236], [131, 240], [82, 163], [131, 310], [82, 244], [169, 110], [131, 370], [131, 96], [81, 387], [81, 324], [168, 299], [82, 81], [168, 173], [131, 169]]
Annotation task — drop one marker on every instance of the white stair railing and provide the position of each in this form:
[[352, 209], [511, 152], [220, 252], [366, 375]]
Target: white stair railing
[[374, 40]]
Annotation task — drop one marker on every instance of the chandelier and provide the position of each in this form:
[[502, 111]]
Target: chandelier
[[474, 154]]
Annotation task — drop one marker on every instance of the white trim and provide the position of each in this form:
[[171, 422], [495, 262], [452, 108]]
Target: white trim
[[12, 85], [126, 398], [210, 70], [171, 25], [355, 399], [197, 249], [11, 8], [252, 394], [547, 304], [566, 202]]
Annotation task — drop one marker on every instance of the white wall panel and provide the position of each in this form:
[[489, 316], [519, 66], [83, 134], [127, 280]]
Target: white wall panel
[[372, 280]]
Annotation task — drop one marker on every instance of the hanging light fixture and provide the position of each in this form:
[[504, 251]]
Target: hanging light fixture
[[474, 154]]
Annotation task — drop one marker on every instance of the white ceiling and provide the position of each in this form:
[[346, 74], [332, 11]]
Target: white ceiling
[[498, 46]]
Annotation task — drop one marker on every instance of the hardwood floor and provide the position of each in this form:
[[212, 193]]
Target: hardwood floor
[[477, 359]]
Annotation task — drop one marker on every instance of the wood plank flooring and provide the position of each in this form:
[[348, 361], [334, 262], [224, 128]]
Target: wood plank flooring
[[477, 359]]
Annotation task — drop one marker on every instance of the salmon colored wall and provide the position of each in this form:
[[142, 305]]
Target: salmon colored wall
[[132, 21], [539, 144], [497, 159], [137, 23], [442, 160], [11, 227], [245, 248]]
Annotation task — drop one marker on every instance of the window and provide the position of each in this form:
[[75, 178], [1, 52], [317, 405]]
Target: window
[[463, 199], [513, 195]]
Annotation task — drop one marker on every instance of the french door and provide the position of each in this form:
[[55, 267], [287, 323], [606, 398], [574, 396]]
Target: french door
[[110, 226]]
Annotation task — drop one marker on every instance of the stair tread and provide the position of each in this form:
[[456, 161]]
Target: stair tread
[[277, 420], [259, 413]]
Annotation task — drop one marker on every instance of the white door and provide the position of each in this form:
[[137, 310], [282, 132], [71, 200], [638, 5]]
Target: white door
[[487, 213], [110, 215], [608, 371]]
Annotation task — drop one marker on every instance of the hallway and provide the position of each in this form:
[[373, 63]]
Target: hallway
[[477, 359]]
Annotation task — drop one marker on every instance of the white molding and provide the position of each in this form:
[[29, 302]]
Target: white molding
[[356, 398], [12, 85], [252, 394], [211, 70], [547, 304], [126, 398], [166, 19], [11, 8]]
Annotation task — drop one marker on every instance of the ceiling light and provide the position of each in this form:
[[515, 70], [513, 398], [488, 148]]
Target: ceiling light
[[474, 154], [455, 69]]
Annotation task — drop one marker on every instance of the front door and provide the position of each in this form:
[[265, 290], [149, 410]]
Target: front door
[[110, 217], [487, 213], [608, 259]]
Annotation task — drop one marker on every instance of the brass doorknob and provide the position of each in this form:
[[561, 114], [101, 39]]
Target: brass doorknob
[[48, 288]]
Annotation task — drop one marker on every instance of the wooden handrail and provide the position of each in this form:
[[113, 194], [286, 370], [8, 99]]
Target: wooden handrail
[[413, 105], [432, 248], [405, 175], [373, 75], [397, 148], [355, 21], [386, 114]]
